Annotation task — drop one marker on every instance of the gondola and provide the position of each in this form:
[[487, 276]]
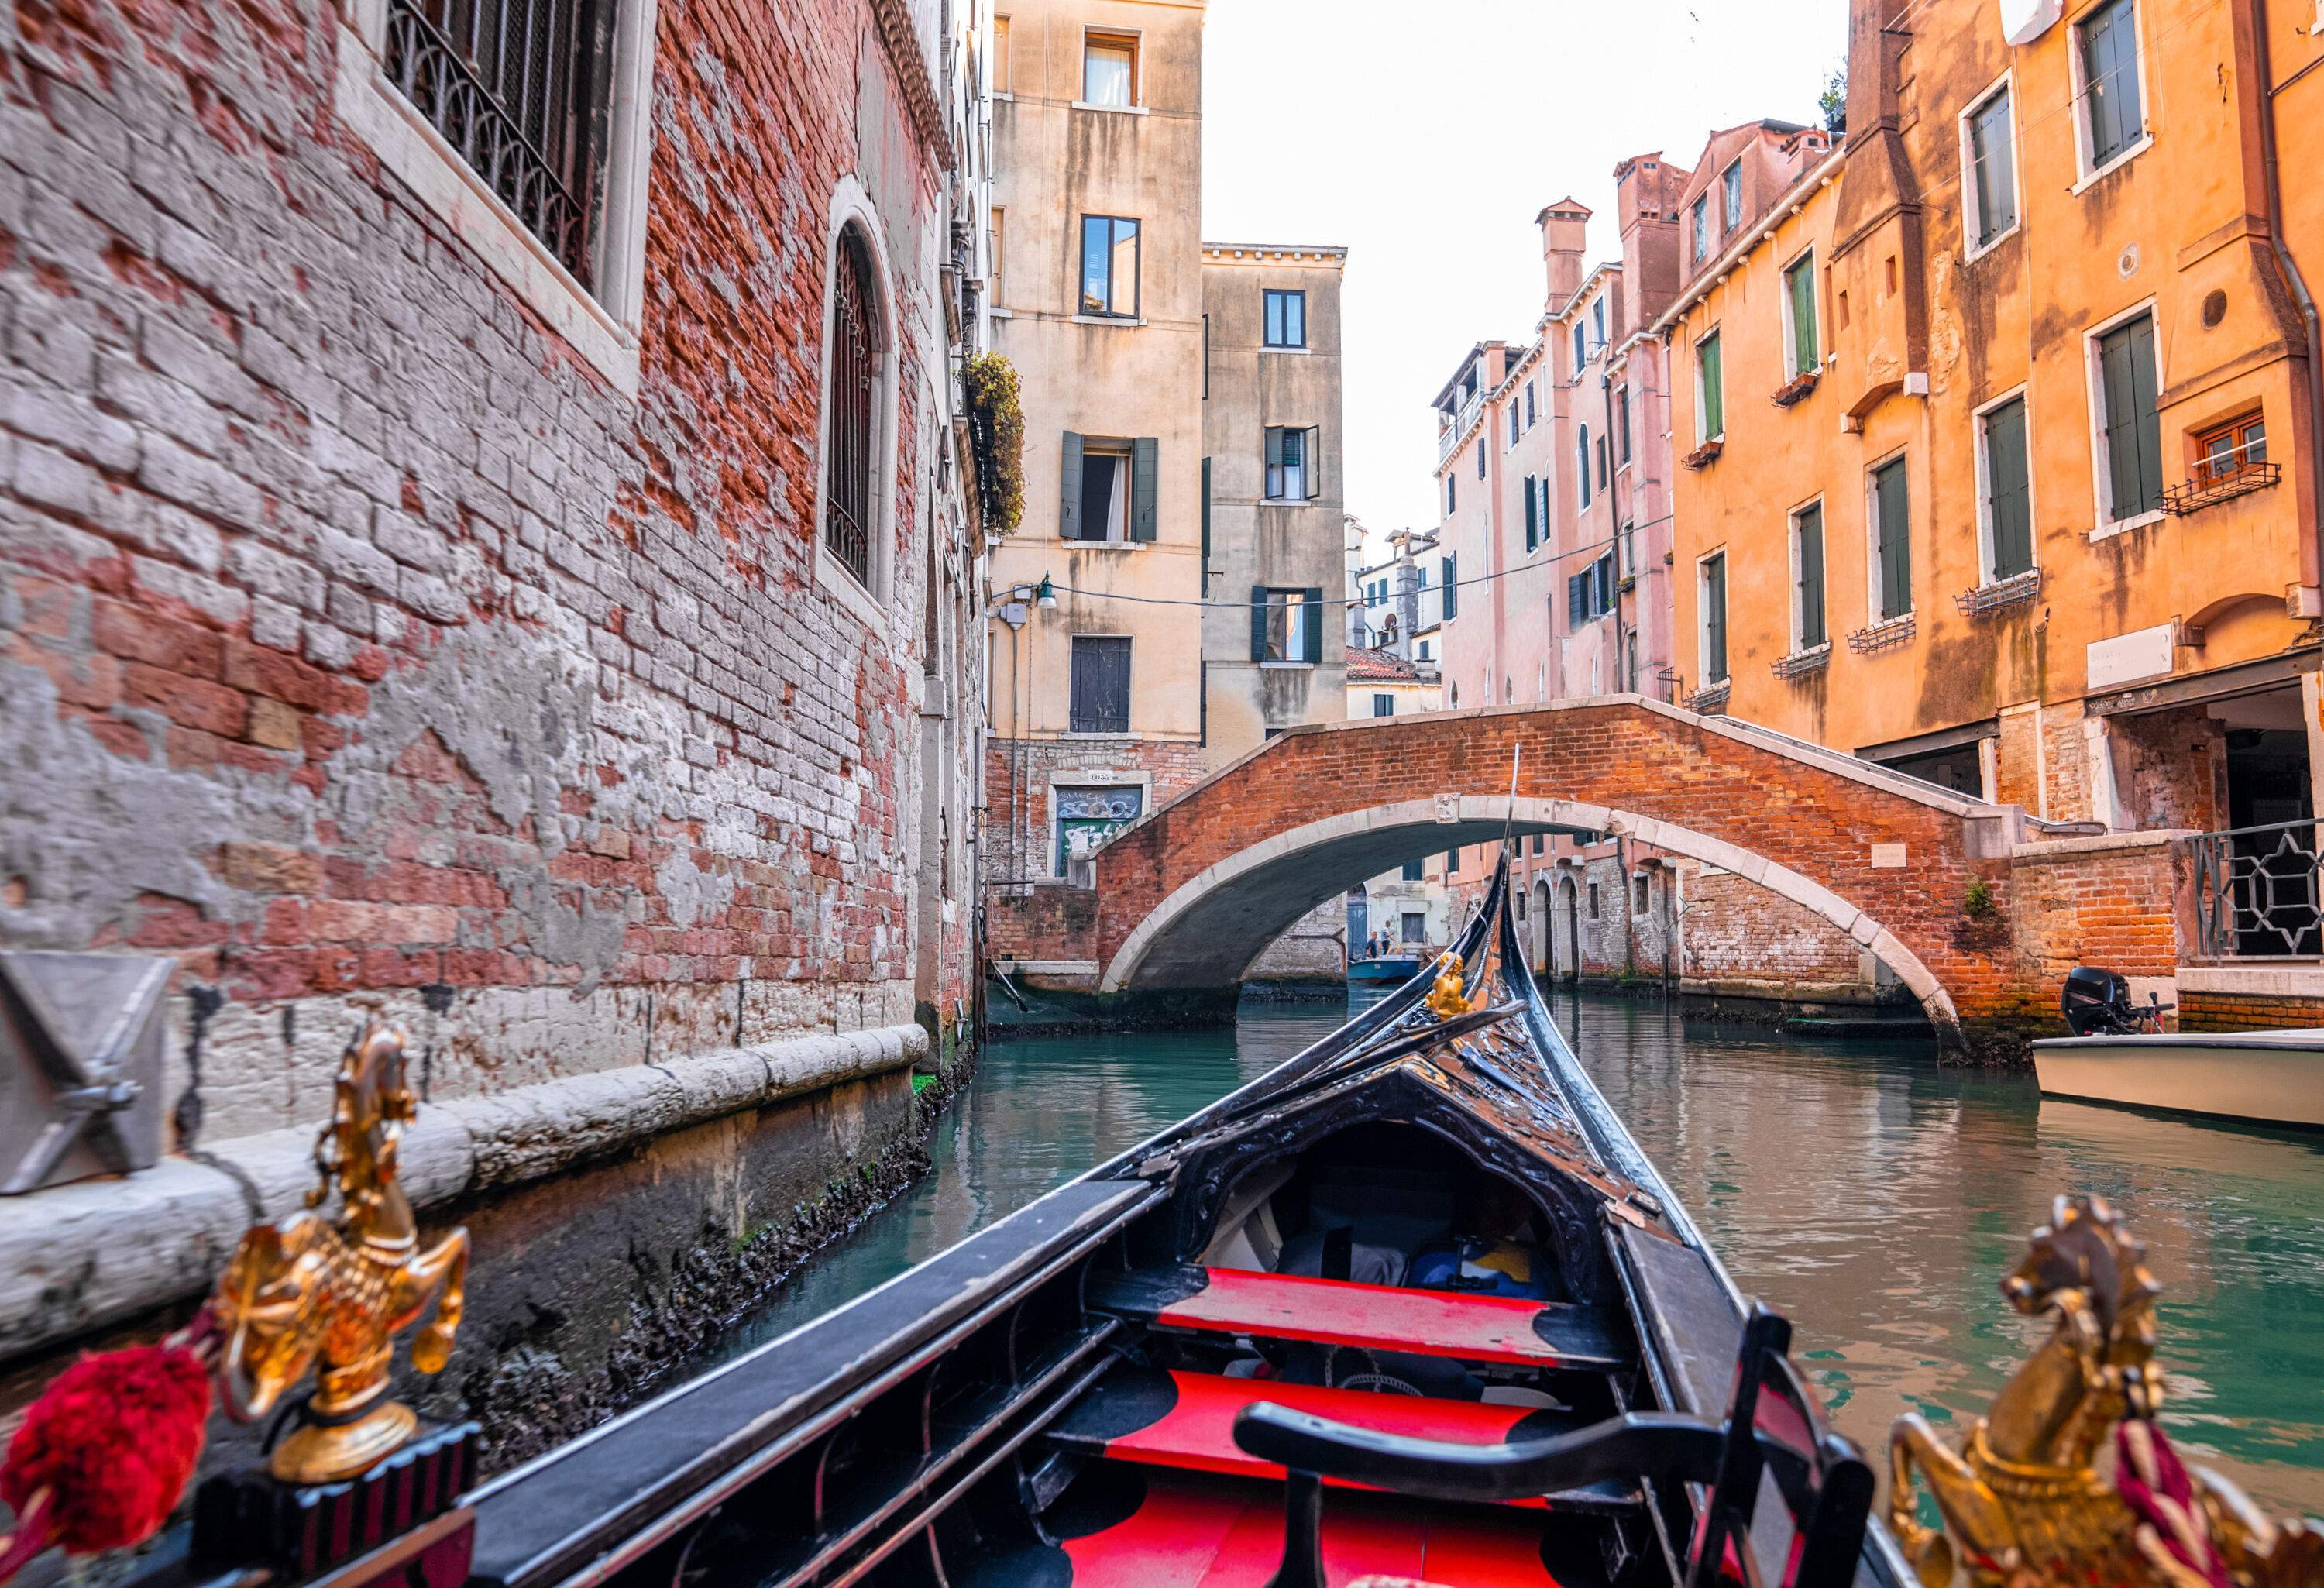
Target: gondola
[[1412, 1307]]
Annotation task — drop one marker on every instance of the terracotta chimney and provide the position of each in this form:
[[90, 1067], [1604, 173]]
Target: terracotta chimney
[[1564, 228]]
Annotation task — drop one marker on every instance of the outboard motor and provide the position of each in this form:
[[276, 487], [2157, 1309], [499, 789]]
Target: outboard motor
[[2097, 1004]]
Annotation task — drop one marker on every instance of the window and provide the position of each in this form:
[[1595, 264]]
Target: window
[[1892, 542], [2008, 494], [1292, 456], [1110, 70], [2106, 52], [1593, 902], [1000, 57], [1730, 198], [1383, 706], [1598, 322], [1451, 493], [1109, 489], [1639, 897], [1424, 656], [1532, 514], [1591, 594], [1416, 924], [1529, 406], [1709, 391], [1452, 592], [1712, 596], [1803, 349], [999, 247], [1990, 159], [1286, 318], [851, 468], [1601, 463], [1101, 684], [1110, 247], [1581, 348], [1087, 818], [1536, 843], [1808, 626], [1513, 430], [1622, 423], [2130, 431], [1699, 227], [1287, 625], [1481, 458], [2222, 452], [1581, 463]]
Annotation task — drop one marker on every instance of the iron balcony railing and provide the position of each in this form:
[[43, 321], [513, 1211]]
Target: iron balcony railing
[[2256, 892]]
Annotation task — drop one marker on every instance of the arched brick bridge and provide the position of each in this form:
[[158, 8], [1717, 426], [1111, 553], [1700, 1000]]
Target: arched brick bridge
[[1189, 895]]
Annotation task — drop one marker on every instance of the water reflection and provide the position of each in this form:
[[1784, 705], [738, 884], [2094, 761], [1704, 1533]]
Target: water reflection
[[1875, 1197]]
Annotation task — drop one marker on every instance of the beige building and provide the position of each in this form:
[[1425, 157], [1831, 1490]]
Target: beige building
[[1181, 410]]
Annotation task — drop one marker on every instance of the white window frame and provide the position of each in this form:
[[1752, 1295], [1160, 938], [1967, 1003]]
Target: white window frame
[[1582, 473], [2101, 461], [1792, 535], [1792, 370], [867, 599], [1970, 247], [1702, 619], [1872, 568], [1978, 417], [1136, 36], [601, 325], [1700, 436], [2081, 102]]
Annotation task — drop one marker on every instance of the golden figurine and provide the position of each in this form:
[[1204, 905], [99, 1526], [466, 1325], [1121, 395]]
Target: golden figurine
[[309, 1292], [2023, 1502], [1447, 997]]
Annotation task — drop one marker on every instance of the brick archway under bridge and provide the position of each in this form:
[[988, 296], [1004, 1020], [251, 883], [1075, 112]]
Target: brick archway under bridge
[[1186, 897]]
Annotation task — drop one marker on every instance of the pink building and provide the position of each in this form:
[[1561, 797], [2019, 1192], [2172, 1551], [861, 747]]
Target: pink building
[[1554, 479]]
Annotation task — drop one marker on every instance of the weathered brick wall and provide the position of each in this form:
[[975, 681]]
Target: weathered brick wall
[[1741, 936], [1019, 829], [2230, 1012], [359, 646]]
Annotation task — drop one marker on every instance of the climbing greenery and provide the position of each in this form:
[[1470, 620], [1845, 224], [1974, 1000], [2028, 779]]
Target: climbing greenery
[[992, 393], [1977, 903]]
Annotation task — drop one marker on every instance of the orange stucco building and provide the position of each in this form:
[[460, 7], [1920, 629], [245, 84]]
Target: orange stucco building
[[1994, 425]]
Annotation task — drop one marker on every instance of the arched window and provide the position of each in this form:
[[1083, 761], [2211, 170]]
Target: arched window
[[851, 467]]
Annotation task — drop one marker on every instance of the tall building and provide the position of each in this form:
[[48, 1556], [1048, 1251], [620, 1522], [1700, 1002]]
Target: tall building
[[1183, 458], [1998, 422]]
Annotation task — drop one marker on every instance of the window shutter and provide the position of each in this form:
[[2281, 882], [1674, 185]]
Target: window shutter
[[1533, 515], [1259, 623], [2145, 423], [1452, 587], [1144, 467], [1714, 620], [1312, 643], [2009, 509], [1895, 544], [1314, 461], [1811, 533], [1069, 510], [1804, 357], [1207, 526], [1573, 601]]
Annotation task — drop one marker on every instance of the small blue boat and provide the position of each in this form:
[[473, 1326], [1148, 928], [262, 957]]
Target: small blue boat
[[1387, 967]]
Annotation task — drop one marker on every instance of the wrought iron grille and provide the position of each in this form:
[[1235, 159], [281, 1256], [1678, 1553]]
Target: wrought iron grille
[[2256, 894], [518, 88], [855, 353]]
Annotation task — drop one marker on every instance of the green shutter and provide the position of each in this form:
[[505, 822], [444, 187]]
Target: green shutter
[[1714, 401], [1813, 631], [2009, 502], [2134, 431], [1451, 592], [1714, 620], [1533, 515], [2145, 411], [1312, 643], [1206, 527], [1893, 506], [1259, 623], [1805, 357], [1144, 466], [1069, 509]]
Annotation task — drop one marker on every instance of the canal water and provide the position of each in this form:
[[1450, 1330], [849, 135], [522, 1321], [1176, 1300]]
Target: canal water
[[1871, 1195]]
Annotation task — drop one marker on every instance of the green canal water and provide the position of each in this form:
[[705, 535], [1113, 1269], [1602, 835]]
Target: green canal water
[[1874, 1197]]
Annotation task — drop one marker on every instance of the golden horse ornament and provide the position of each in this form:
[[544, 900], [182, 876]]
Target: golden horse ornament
[[308, 1291], [2022, 1500]]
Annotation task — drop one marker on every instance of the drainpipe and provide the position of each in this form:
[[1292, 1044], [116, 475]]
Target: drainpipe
[[2293, 279]]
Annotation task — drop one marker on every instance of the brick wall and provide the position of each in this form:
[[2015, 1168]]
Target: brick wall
[[1741, 936], [2230, 1011], [360, 646]]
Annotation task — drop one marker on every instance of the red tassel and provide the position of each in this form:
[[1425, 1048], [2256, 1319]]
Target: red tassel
[[104, 1455]]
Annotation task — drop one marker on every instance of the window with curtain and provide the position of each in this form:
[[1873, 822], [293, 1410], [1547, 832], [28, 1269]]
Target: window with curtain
[[1892, 540], [2008, 493], [1291, 460], [1110, 70], [1289, 617], [1992, 170], [2113, 117], [1807, 562], [2130, 425], [1709, 391], [1110, 249], [1806, 353]]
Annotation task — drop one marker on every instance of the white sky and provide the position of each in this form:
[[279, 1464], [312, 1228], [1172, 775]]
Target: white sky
[[1426, 137]]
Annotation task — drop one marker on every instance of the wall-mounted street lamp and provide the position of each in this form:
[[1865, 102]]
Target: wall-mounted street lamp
[[1047, 597]]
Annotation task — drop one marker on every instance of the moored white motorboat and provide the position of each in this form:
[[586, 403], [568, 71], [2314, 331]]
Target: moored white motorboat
[[2271, 1076]]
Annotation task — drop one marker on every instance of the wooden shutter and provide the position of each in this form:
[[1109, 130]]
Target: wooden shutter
[[1312, 642], [2133, 428], [1451, 587], [2009, 507], [1099, 701], [1207, 526], [1714, 620], [1714, 399], [1804, 354], [1810, 559], [1259, 623], [1314, 466], [1574, 619], [1145, 455], [1893, 506], [1533, 515], [1069, 509]]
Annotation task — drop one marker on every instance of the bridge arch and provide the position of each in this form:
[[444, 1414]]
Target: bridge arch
[[1206, 930]]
